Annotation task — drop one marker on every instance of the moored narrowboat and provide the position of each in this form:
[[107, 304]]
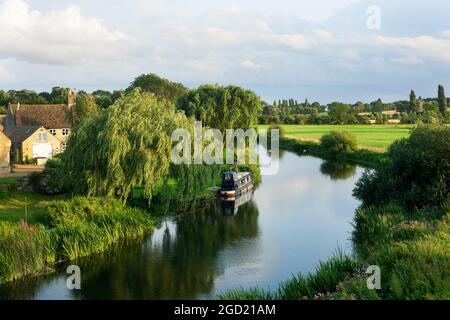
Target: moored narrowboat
[[235, 184]]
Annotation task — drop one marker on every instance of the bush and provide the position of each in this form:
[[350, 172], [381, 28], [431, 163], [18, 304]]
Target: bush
[[417, 175], [47, 182], [338, 141]]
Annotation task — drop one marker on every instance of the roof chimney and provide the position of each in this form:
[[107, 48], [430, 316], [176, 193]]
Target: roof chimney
[[72, 99], [18, 117]]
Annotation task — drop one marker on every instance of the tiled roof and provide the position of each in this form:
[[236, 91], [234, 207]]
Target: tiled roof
[[50, 116], [19, 134]]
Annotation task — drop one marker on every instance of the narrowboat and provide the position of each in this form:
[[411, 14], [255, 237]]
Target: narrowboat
[[235, 184]]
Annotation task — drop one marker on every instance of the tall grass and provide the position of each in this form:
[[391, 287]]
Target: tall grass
[[76, 228], [413, 250]]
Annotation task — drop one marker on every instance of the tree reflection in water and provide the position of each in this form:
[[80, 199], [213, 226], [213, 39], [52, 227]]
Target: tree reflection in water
[[179, 260], [337, 170]]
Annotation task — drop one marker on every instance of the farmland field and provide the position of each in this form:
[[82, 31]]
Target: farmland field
[[373, 137]]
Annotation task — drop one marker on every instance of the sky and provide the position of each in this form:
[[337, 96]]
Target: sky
[[323, 50]]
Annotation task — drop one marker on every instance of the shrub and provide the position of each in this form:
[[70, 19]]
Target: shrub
[[417, 175], [47, 182], [338, 141]]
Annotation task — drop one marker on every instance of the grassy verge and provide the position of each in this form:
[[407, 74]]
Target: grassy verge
[[72, 229], [362, 157]]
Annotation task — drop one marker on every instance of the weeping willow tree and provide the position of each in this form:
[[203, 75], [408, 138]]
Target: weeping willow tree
[[127, 146]]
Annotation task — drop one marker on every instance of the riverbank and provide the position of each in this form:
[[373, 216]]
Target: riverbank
[[74, 228], [362, 157]]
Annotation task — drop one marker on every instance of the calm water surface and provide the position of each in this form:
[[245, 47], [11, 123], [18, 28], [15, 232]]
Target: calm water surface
[[293, 220]]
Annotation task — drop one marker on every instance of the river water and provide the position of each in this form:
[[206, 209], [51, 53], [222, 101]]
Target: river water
[[292, 221]]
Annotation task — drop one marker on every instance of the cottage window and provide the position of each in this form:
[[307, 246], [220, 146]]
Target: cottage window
[[42, 136], [53, 132], [65, 132]]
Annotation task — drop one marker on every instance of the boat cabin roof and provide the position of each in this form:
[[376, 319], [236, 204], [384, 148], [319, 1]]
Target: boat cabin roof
[[241, 175], [238, 175]]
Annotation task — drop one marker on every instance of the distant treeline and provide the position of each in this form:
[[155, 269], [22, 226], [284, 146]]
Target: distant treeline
[[291, 111], [428, 110]]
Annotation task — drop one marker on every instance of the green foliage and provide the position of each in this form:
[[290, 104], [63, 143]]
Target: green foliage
[[103, 98], [413, 105], [59, 95], [23, 252], [49, 181], [340, 112], [338, 141], [442, 99], [85, 106], [160, 87], [418, 174], [363, 157], [411, 250], [79, 227], [127, 146], [222, 107]]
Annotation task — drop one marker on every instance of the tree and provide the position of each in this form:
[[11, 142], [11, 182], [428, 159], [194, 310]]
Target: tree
[[417, 174], [339, 112], [162, 88], [412, 101], [85, 106], [338, 141], [377, 106], [59, 95], [442, 100], [127, 146], [222, 107], [103, 98]]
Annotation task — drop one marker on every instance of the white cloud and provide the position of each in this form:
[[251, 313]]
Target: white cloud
[[423, 46], [56, 37], [262, 25], [296, 41], [248, 64]]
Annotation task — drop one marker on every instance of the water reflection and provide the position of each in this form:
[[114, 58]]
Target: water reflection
[[293, 220], [338, 170], [231, 207]]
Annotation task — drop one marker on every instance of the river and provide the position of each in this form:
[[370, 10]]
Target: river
[[292, 221]]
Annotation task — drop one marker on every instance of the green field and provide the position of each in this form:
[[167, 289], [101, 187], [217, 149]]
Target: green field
[[16, 205], [373, 137]]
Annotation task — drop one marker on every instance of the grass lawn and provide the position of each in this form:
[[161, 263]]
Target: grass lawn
[[372, 137], [12, 204]]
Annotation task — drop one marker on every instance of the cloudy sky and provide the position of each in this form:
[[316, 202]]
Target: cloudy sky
[[324, 50]]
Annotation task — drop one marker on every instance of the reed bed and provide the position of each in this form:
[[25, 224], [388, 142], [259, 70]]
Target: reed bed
[[75, 228]]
